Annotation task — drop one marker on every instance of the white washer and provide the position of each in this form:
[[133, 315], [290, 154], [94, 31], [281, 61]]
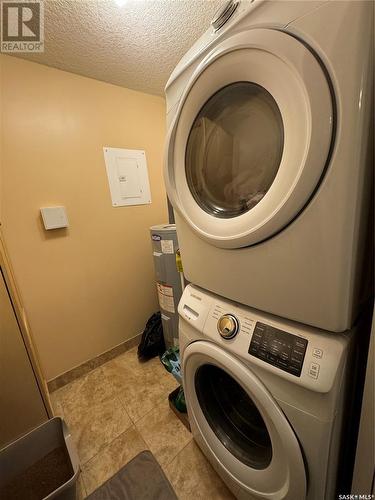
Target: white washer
[[267, 160], [265, 397]]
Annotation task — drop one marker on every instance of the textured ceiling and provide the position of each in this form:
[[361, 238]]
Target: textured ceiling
[[136, 45]]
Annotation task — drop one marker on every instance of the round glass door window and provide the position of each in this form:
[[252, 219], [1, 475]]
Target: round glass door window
[[233, 416], [234, 149]]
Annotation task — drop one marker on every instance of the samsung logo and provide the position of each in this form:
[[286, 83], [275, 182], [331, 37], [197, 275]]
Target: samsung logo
[[195, 296]]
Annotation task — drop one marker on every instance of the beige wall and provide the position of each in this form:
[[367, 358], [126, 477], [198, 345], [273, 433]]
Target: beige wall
[[90, 287]]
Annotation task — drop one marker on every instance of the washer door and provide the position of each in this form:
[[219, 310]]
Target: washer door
[[251, 138], [242, 425]]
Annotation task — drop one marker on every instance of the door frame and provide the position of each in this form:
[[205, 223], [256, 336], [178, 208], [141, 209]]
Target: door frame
[[20, 314]]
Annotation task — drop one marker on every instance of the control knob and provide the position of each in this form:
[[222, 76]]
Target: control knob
[[228, 326]]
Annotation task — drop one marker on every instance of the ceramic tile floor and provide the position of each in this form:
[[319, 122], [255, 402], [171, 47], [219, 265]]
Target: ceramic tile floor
[[120, 409]]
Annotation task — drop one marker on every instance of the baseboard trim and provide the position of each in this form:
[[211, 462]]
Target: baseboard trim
[[91, 364]]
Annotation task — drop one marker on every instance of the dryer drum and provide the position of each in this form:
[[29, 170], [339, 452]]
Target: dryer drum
[[234, 149], [233, 416]]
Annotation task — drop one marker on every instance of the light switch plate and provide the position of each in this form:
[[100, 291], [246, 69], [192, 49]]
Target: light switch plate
[[54, 217], [127, 176]]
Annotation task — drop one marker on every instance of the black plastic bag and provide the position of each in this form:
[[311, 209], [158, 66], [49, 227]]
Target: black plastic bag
[[152, 342]]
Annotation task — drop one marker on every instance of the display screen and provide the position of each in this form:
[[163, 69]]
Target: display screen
[[278, 348]]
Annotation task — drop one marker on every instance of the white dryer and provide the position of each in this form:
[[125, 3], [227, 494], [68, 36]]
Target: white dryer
[[265, 398], [268, 157]]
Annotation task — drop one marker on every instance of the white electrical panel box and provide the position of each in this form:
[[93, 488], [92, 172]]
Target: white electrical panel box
[[127, 176], [54, 217]]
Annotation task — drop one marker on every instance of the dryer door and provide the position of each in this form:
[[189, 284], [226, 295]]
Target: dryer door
[[241, 424], [251, 138]]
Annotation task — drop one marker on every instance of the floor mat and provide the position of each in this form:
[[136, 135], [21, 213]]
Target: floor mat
[[141, 479]]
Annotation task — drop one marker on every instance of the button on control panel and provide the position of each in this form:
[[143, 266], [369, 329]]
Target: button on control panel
[[278, 348], [317, 353], [314, 370]]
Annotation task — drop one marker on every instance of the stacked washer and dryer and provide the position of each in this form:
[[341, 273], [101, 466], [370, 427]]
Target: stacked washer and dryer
[[268, 168]]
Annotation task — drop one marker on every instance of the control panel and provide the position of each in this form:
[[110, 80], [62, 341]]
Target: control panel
[[278, 348], [298, 353]]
